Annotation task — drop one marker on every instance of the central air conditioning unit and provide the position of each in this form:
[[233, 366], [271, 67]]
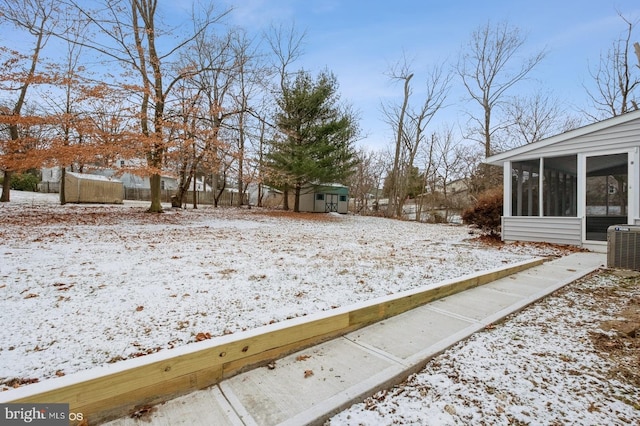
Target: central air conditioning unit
[[623, 247]]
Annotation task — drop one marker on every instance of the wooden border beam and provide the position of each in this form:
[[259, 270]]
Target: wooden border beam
[[112, 391]]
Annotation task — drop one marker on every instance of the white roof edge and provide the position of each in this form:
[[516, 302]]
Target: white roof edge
[[498, 159], [89, 176]]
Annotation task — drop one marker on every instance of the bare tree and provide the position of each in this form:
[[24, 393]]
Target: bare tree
[[207, 108], [530, 119], [131, 33], [287, 44], [489, 67], [451, 160], [443, 159], [65, 103], [410, 124], [250, 78], [615, 81], [365, 182], [397, 116], [37, 18]]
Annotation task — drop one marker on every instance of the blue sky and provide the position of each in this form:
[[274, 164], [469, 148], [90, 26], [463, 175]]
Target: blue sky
[[358, 40]]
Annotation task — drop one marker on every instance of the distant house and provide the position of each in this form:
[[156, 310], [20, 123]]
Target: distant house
[[269, 197], [51, 178], [133, 181], [570, 188], [324, 198], [86, 188]]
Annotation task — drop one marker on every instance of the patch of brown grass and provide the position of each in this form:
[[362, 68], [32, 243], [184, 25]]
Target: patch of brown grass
[[288, 214]]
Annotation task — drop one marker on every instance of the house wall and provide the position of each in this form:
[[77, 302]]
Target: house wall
[[557, 230], [618, 138]]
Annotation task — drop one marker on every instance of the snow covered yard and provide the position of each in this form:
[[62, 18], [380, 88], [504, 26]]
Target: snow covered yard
[[85, 285], [572, 358]]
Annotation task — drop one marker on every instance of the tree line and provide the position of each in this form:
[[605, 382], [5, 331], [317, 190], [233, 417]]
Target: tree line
[[422, 162], [90, 87], [205, 101]]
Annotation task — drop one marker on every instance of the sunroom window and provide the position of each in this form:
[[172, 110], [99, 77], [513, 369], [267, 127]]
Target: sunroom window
[[559, 187], [525, 182]]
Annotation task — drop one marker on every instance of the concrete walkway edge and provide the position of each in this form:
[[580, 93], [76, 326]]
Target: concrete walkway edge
[[319, 413], [313, 384]]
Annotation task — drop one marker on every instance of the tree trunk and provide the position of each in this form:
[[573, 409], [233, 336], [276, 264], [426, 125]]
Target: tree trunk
[[195, 192], [63, 195], [6, 187], [395, 203], [156, 206], [241, 160], [285, 200], [296, 202], [214, 189]]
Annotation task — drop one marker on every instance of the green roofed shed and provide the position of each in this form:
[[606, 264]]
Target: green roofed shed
[[324, 198]]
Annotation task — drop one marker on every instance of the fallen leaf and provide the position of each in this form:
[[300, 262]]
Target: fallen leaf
[[303, 357], [59, 373], [30, 296], [202, 336], [308, 373], [271, 365], [139, 308], [142, 412]]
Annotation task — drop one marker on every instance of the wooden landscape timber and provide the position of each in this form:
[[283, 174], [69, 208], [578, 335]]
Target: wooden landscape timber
[[115, 390]]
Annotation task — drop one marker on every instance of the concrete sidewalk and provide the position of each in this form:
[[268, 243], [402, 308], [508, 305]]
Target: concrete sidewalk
[[309, 386]]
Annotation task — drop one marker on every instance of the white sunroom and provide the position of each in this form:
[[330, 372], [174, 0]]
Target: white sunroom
[[568, 189]]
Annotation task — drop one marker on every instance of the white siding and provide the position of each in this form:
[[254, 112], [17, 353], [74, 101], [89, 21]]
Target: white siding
[[618, 133], [307, 201], [558, 230], [624, 136]]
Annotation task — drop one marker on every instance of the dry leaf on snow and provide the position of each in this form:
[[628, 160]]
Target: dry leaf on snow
[[202, 336]]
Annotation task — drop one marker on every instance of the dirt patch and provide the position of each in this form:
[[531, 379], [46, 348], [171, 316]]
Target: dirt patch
[[496, 242], [619, 340], [85, 215]]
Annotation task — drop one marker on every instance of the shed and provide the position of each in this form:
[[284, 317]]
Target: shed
[[324, 198], [87, 188], [569, 188]]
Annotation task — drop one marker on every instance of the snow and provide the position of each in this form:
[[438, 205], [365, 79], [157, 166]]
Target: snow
[[539, 367], [87, 285], [83, 286], [86, 176]]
